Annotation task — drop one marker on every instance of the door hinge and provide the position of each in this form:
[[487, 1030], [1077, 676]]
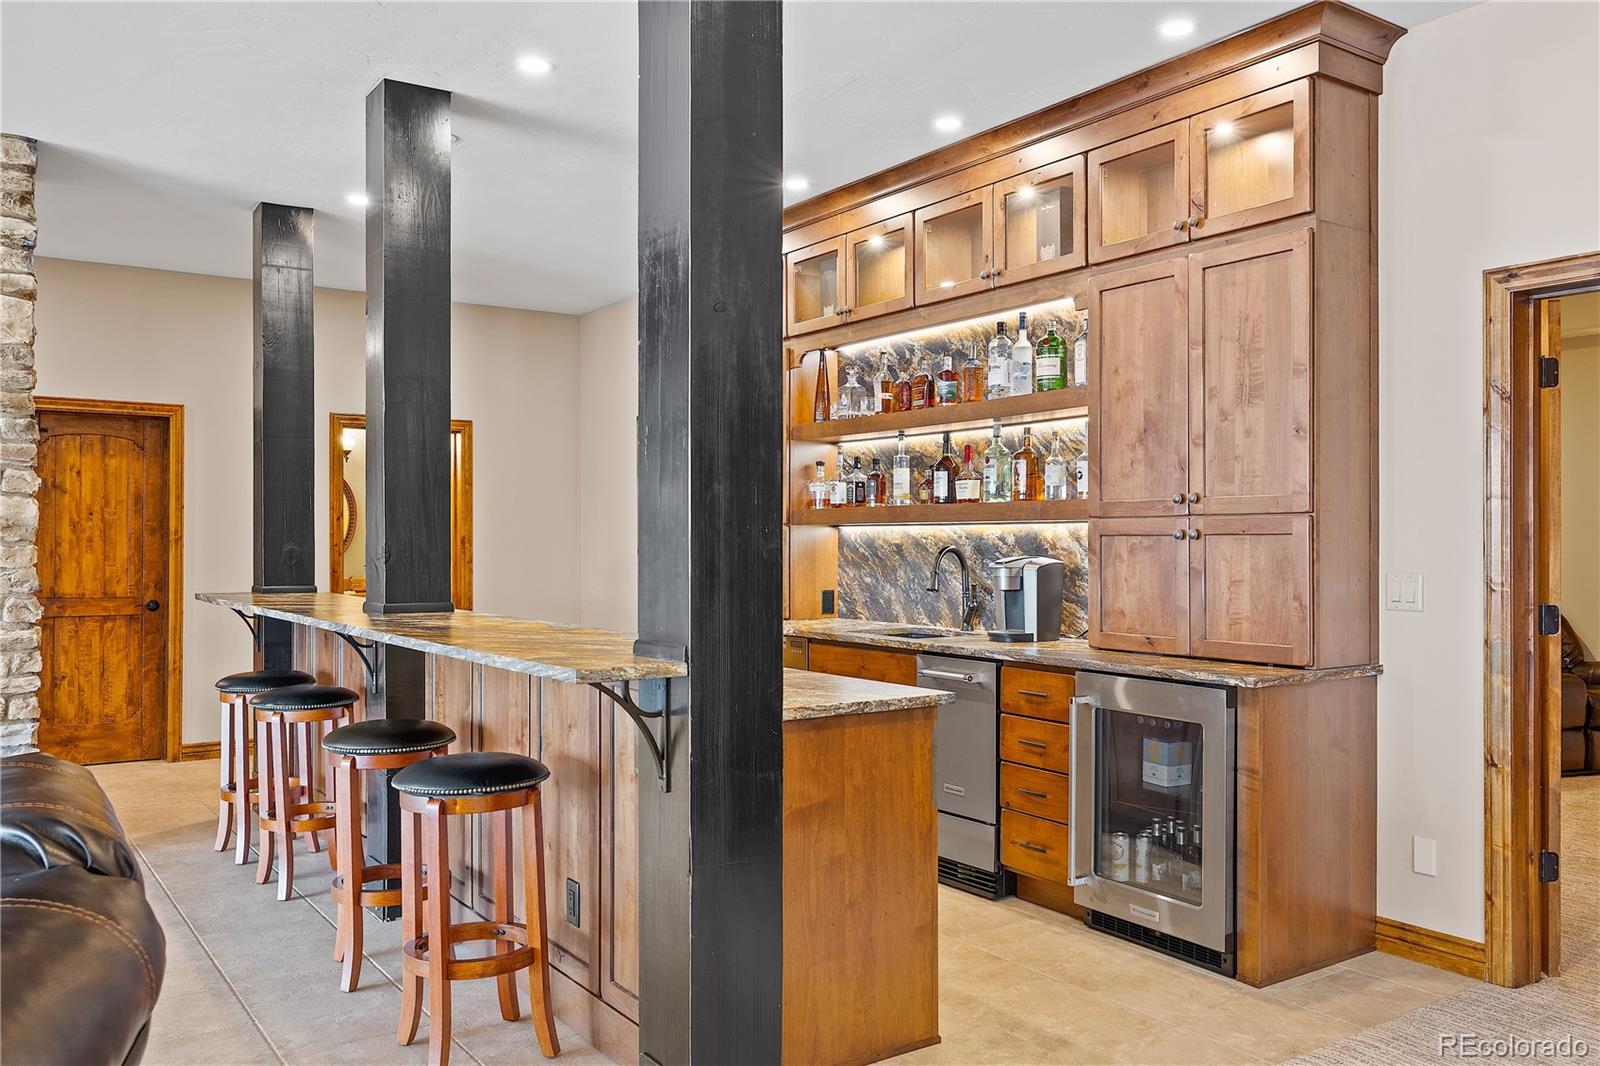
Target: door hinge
[[1549, 619], [1549, 867], [1549, 372]]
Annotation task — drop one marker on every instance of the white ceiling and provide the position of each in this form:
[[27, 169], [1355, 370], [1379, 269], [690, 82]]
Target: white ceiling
[[161, 124]]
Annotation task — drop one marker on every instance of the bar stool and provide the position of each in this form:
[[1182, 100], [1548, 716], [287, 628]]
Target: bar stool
[[284, 811], [478, 783], [378, 744], [234, 808]]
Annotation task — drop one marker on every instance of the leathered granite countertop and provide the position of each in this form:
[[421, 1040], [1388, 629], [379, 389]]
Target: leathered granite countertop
[[809, 695], [1067, 654]]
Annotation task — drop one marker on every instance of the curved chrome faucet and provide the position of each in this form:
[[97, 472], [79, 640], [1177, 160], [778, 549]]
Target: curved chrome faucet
[[971, 602]]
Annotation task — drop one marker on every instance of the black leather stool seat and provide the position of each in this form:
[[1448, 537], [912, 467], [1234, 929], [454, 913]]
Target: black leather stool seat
[[476, 773], [389, 736], [304, 698], [253, 681]]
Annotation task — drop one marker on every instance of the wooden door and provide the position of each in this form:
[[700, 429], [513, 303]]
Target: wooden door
[[1039, 222], [814, 291], [1250, 383], [1139, 391], [878, 269], [1139, 584], [1250, 588], [619, 858], [104, 536], [1547, 667], [1139, 193], [569, 720], [1250, 161], [954, 242]]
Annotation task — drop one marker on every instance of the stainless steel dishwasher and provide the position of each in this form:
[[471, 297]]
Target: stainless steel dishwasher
[[966, 771]]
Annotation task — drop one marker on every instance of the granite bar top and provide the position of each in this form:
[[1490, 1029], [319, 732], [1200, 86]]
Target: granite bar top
[[808, 695], [1068, 654], [561, 653]]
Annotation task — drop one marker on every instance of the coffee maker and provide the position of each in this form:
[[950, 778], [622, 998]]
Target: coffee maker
[[1028, 596]]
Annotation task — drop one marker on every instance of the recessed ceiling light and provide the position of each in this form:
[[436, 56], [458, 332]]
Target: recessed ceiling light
[[947, 123], [356, 199], [1174, 28], [796, 184], [534, 65]]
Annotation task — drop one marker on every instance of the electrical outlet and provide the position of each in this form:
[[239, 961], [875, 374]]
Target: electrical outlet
[[574, 907], [1402, 591], [1425, 856]]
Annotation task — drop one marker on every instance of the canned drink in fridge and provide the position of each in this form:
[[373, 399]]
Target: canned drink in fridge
[[1119, 856], [1141, 858]]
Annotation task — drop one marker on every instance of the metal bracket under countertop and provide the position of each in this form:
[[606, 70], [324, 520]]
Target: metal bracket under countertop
[[361, 650], [658, 750], [255, 635]]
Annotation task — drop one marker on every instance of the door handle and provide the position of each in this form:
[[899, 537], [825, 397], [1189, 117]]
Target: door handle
[[1081, 834], [152, 605], [948, 675]]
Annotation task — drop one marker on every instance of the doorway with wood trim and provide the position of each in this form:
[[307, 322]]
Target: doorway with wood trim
[[1522, 634], [110, 560]]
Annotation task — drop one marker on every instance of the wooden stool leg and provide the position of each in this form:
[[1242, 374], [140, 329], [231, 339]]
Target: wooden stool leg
[[266, 790], [307, 737], [240, 755], [347, 845], [283, 806], [539, 1004], [410, 926], [224, 806], [503, 856], [436, 848]]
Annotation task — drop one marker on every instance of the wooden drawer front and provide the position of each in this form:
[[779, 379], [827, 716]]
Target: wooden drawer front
[[896, 667], [1033, 846], [1036, 792], [1036, 693], [1034, 743]]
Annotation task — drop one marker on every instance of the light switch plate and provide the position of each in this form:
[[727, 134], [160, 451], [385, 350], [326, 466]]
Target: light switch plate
[[1425, 856], [1402, 591]]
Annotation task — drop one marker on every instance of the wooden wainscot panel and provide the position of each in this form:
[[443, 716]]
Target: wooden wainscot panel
[[1033, 846], [505, 711], [1037, 792], [619, 864], [1034, 743], [1037, 693], [873, 664], [569, 719], [453, 688]]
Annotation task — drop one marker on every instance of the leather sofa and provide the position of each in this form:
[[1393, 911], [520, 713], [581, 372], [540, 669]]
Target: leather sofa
[[81, 953], [1580, 706]]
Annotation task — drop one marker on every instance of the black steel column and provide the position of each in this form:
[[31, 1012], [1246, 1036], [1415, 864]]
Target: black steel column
[[284, 536], [710, 456]]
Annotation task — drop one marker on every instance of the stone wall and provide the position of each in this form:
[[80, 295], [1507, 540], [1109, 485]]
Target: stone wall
[[19, 442]]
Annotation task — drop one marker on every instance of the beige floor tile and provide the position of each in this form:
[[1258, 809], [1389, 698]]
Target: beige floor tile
[[1411, 974], [1355, 997]]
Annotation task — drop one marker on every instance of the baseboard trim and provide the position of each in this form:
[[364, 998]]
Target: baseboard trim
[[205, 749], [1440, 950]]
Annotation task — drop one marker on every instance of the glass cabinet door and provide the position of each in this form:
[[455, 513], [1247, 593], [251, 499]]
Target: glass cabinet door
[[1149, 804], [1251, 159], [878, 268], [1139, 193], [815, 286], [953, 246], [1039, 222]]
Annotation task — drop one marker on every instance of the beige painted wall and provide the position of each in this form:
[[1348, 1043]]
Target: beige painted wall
[[123, 333], [1489, 146], [1580, 466], [608, 356]]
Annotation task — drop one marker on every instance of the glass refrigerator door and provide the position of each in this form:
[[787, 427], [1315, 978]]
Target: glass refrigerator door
[[1149, 803]]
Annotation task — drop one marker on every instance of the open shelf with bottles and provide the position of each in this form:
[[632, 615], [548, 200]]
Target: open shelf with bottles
[[925, 514], [1009, 411]]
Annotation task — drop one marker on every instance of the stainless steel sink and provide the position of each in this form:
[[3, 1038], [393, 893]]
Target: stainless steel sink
[[920, 634]]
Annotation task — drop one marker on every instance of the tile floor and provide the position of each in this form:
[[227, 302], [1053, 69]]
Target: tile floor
[[252, 980]]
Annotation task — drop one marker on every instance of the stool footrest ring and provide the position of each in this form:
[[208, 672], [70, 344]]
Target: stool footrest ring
[[415, 952]]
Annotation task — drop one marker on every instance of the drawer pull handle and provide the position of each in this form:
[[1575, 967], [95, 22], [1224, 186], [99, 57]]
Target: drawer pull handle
[[1025, 742], [1034, 694], [1035, 793], [1031, 847]]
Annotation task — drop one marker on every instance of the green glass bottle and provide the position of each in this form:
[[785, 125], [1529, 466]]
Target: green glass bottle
[[1048, 362]]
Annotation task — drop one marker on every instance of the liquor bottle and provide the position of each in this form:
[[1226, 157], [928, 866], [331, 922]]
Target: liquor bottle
[[854, 399], [822, 403], [877, 486], [900, 489], [944, 475], [839, 487], [1080, 356], [1048, 363], [858, 485], [883, 385], [902, 388], [821, 491], [947, 383], [969, 482], [921, 380], [997, 470], [1022, 359], [972, 375], [999, 381], [925, 486], [1056, 475], [1027, 472], [1080, 468]]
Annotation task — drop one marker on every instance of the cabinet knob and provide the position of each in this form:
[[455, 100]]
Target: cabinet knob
[[1178, 225], [1194, 221], [1177, 497], [1194, 497], [1194, 534], [1177, 534]]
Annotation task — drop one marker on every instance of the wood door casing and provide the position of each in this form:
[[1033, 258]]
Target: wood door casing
[[1547, 579], [1250, 588], [103, 540], [1139, 585], [1139, 391], [1239, 168], [1154, 206], [1250, 389]]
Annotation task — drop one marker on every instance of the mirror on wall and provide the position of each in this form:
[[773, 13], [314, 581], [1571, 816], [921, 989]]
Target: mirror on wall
[[347, 507]]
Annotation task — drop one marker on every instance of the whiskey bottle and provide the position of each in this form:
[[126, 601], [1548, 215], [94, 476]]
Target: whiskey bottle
[[947, 383], [1055, 473], [900, 489], [821, 491], [999, 380], [944, 475], [1027, 473], [921, 380], [883, 385], [858, 485], [925, 486], [997, 470], [969, 482], [902, 388], [972, 375], [822, 402], [839, 487], [1022, 359], [877, 486], [1048, 363]]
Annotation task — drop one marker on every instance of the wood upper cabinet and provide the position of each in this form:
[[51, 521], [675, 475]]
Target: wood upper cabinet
[[814, 286], [878, 269], [1250, 588], [954, 244], [1039, 222], [1139, 193], [1250, 360], [1250, 161], [1139, 391], [1139, 585]]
